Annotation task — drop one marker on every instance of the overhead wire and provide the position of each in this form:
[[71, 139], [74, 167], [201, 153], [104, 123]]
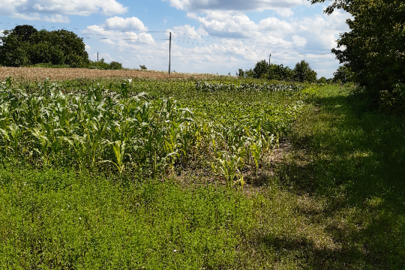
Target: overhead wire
[[192, 42]]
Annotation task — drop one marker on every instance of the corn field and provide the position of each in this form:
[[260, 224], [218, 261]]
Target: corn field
[[125, 131]]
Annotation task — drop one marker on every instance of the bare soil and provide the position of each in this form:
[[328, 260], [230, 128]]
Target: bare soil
[[33, 73]]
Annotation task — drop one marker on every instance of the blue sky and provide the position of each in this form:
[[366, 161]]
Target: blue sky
[[209, 36]]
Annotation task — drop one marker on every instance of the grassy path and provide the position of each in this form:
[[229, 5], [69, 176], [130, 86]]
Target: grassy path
[[351, 162]]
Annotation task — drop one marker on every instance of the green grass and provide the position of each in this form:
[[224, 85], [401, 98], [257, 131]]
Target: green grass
[[53, 219], [351, 161], [332, 199]]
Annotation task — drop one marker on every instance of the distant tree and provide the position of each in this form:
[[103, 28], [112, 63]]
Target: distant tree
[[115, 65], [342, 74], [322, 80], [104, 65], [261, 69], [279, 72], [24, 45], [265, 71], [240, 73], [304, 73]]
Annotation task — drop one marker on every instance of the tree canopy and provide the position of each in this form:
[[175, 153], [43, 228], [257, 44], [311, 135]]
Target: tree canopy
[[374, 47], [25, 45], [302, 72]]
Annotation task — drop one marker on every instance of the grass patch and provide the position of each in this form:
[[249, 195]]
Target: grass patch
[[350, 161], [54, 219]]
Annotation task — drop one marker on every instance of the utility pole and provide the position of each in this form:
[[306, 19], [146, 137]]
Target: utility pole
[[98, 57], [170, 51], [269, 59]]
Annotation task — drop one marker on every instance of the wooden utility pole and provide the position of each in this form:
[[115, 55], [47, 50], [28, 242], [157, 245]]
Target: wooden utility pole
[[170, 51], [269, 59]]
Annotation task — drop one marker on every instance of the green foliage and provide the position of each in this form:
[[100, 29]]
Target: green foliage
[[57, 219], [247, 87], [101, 130], [115, 65], [343, 75], [304, 73], [24, 45], [323, 80], [240, 73], [281, 73], [105, 66], [143, 67], [85, 165], [355, 160], [373, 49], [262, 70]]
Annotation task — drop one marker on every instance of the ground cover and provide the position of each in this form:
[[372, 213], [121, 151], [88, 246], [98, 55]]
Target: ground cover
[[239, 174]]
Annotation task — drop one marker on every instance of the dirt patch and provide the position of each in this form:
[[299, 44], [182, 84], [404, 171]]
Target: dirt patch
[[253, 183], [78, 73]]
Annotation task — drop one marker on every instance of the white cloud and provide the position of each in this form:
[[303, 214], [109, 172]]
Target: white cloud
[[299, 41], [226, 24], [58, 10], [241, 5], [276, 25], [129, 24], [120, 31], [224, 40], [187, 31]]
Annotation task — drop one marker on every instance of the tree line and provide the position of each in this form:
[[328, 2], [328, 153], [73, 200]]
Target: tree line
[[302, 72], [26, 46]]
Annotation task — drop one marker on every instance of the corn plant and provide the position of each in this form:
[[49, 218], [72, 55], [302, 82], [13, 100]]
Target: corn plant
[[228, 166], [118, 124]]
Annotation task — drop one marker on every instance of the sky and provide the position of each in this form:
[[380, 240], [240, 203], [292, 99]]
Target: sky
[[208, 36]]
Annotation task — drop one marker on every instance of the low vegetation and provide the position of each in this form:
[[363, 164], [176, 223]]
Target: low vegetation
[[223, 173]]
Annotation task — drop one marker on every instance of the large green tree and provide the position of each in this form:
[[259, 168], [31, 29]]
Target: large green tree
[[374, 47], [24, 45]]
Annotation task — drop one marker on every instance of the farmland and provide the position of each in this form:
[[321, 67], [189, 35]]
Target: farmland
[[132, 171], [38, 73]]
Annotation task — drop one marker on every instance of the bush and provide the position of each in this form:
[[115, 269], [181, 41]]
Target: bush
[[115, 65], [105, 66], [393, 101]]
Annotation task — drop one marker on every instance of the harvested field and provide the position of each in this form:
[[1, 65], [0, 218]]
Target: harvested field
[[76, 73]]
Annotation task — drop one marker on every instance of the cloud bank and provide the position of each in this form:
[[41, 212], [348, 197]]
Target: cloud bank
[[239, 5], [58, 10]]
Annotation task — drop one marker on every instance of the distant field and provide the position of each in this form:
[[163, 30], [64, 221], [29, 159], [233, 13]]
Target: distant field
[[75, 73]]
